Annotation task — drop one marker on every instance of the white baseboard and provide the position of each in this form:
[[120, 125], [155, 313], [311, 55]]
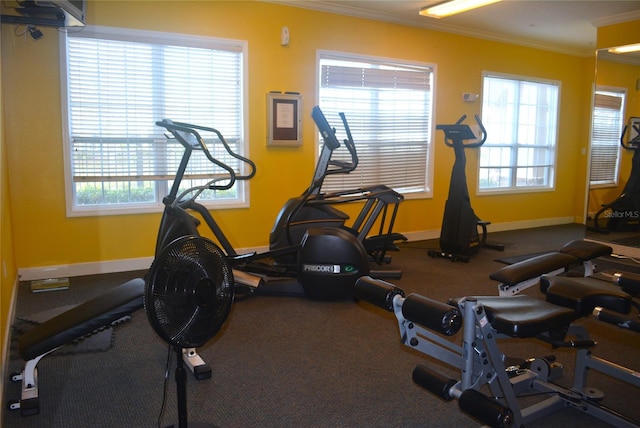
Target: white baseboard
[[496, 227], [78, 269], [529, 224], [124, 265]]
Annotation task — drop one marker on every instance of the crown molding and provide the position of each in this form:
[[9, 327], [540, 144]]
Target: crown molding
[[617, 19], [434, 25]]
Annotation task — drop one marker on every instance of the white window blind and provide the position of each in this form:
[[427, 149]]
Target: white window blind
[[608, 114], [388, 106], [520, 116], [118, 84]]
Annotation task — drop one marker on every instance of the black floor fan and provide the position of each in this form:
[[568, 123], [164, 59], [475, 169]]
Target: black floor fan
[[188, 296]]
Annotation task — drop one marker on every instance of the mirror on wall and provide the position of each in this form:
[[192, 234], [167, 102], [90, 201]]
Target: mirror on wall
[[613, 206]]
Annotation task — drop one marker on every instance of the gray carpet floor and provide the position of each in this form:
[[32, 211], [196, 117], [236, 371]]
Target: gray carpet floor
[[293, 362]]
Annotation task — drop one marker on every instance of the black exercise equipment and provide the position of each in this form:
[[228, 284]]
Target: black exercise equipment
[[79, 321], [500, 391], [317, 208], [459, 237], [188, 296], [624, 212], [328, 260], [519, 276], [336, 259]]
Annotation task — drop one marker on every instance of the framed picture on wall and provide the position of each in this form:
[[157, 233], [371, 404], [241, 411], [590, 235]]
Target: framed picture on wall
[[284, 119]]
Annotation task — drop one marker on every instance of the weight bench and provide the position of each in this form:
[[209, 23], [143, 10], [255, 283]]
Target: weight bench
[[588, 296], [65, 328], [426, 324], [519, 276]]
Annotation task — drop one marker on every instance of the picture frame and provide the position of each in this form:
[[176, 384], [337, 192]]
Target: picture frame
[[284, 119]]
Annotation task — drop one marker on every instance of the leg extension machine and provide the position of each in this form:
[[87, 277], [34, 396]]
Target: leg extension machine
[[490, 389]]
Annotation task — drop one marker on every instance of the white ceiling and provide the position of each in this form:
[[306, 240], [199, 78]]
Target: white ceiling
[[566, 26]]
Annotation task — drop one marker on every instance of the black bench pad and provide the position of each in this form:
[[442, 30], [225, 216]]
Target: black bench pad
[[524, 316], [82, 319], [533, 267], [584, 294], [586, 250]]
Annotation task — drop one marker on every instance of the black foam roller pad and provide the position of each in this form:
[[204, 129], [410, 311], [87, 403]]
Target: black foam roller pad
[[377, 292], [434, 315]]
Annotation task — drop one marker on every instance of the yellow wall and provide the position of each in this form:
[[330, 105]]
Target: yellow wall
[[624, 33], [7, 260], [45, 236]]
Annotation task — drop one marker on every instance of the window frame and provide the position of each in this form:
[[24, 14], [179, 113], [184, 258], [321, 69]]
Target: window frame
[[355, 57], [163, 38], [616, 174], [553, 167]]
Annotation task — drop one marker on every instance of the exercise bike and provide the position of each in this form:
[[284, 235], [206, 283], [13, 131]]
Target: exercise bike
[[624, 212], [459, 237], [317, 208]]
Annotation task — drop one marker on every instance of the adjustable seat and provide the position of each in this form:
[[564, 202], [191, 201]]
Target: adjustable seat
[[525, 274], [524, 316], [583, 295], [586, 252], [519, 276]]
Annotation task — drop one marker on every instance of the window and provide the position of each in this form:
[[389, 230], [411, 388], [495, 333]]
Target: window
[[608, 114], [388, 105], [116, 84], [520, 116]]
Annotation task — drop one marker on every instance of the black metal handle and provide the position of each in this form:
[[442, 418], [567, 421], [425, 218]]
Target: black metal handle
[[328, 133], [187, 134], [458, 132], [634, 144]]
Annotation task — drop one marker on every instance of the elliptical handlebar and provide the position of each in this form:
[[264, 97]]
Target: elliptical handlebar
[[190, 138], [350, 145], [483, 131], [634, 144], [460, 132], [331, 143], [328, 133]]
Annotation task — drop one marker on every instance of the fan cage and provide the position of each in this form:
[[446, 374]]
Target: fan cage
[[189, 292]]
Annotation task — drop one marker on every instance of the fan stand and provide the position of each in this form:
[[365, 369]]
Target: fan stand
[[181, 389], [188, 296]]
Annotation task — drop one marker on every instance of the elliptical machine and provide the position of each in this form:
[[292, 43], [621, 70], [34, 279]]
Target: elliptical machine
[[316, 208], [318, 273], [459, 237], [623, 213]]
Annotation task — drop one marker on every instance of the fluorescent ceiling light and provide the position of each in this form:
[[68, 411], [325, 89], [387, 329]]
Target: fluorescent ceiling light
[[625, 49], [452, 7]]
